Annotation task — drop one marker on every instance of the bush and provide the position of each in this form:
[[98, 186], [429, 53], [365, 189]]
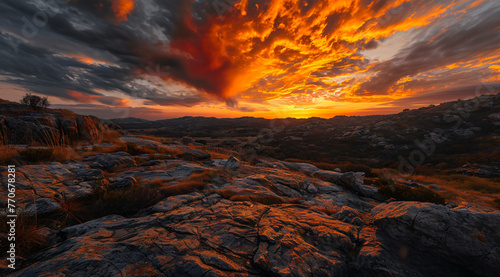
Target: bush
[[404, 193], [34, 102], [133, 149], [35, 155]]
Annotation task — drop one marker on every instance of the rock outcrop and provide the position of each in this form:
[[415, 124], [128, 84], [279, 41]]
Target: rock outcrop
[[53, 127]]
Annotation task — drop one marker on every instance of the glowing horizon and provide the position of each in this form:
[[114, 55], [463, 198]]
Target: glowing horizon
[[293, 58]]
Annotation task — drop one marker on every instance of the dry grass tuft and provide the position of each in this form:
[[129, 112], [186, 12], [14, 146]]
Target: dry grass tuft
[[184, 187], [72, 212], [111, 136], [220, 153]]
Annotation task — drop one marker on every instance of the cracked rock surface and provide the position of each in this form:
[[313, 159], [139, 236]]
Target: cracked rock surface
[[202, 233]]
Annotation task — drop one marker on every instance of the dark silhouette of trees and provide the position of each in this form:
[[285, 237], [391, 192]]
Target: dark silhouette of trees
[[34, 102]]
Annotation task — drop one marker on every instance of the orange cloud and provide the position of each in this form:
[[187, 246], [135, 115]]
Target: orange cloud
[[277, 49], [81, 97], [122, 8], [85, 59]]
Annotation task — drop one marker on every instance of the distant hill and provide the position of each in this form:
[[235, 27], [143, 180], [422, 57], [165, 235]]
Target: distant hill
[[470, 131]]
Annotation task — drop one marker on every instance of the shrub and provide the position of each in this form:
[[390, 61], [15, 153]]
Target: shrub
[[34, 155], [72, 212], [35, 102], [404, 193], [133, 149]]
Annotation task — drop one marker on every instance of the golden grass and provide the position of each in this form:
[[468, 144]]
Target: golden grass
[[184, 187], [454, 187], [111, 136], [219, 152]]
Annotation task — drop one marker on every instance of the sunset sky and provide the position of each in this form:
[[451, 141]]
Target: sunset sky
[[158, 59]]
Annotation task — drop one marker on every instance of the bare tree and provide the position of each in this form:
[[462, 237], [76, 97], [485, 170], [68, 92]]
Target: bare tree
[[34, 102]]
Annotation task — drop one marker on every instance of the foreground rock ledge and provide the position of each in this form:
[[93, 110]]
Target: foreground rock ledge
[[197, 235]]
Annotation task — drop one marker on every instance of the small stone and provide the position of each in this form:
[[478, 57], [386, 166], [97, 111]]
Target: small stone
[[232, 163], [312, 189]]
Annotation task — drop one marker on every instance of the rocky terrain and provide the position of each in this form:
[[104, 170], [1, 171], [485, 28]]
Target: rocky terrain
[[252, 197], [268, 218]]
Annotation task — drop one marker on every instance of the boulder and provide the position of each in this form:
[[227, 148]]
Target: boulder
[[464, 242], [125, 182], [308, 169], [353, 181], [194, 154], [41, 206], [140, 141], [195, 235], [232, 163]]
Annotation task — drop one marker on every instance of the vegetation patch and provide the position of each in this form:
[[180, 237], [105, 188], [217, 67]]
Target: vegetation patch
[[124, 202], [405, 193], [34, 155]]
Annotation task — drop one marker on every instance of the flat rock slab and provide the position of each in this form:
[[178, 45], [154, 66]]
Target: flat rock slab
[[48, 184], [140, 141], [203, 236], [111, 161]]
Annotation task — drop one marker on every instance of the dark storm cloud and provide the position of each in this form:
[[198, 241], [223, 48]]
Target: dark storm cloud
[[104, 111], [41, 42], [461, 42], [186, 101]]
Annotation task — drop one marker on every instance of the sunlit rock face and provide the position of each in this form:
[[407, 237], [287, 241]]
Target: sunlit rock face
[[253, 220]]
